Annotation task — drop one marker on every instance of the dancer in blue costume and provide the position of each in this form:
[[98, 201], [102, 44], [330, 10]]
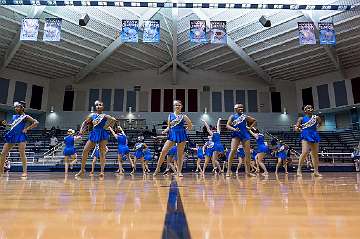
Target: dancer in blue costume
[[226, 156], [17, 135], [147, 159], [69, 149], [178, 123], [99, 134], [214, 148], [96, 155], [171, 158], [123, 148], [310, 138], [254, 163], [262, 149], [238, 123], [140, 150], [200, 156], [281, 154], [240, 156]]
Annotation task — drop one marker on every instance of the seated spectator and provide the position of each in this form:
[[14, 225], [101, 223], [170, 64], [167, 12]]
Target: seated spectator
[[53, 142]]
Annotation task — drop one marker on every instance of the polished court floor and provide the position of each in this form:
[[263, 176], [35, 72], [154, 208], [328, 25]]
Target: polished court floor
[[46, 205]]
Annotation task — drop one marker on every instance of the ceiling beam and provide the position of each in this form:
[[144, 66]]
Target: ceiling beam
[[98, 59], [179, 64], [175, 16], [210, 59], [186, 59], [110, 49], [183, 66], [286, 64], [35, 12], [248, 60], [239, 51], [221, 63], [170, 32]]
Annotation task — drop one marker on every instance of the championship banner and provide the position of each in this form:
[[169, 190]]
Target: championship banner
[[151, 31], [306, 33], [198, 31], [29, 29], [327, 33], [218, 32], [52, 29], [130, 31]]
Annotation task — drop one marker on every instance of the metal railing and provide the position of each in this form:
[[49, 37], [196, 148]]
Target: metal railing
[[14, 157]]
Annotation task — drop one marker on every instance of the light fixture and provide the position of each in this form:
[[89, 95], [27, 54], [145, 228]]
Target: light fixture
[[52, 109], [130, 109], [92, 109], [285, 112], [205, 110]]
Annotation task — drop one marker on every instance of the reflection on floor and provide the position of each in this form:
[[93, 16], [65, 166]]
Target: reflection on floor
[[48, 206]]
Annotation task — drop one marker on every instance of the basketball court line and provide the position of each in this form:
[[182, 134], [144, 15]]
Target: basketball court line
[[175, 225]]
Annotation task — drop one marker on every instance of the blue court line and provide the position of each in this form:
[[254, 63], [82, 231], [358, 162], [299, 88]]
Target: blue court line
[[175, 225]]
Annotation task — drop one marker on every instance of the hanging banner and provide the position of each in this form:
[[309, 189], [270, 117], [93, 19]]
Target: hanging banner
[[151, 31], [306, 33], [218, 32], [130, 31], [198, 31], [52, 29], [327, 33], [29, 29]]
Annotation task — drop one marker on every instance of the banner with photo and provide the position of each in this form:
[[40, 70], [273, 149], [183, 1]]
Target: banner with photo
[[327, 33], [130, 31], [29, 29], [306, 33], [218, 32], [151, 31], [198, 31], [52, 29]]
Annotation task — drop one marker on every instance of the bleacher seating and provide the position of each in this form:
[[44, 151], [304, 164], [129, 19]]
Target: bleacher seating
[[333, 142]]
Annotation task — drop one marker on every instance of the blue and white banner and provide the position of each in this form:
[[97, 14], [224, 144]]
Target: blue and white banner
[[198, 31], [52, 29], [218, 33], [29, 29], [306, 33], [130, 31], [327, 33], [151, 31]]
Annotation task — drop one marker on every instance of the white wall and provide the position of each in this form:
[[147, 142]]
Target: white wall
[[328, 78], [150, 79], [30, 79]]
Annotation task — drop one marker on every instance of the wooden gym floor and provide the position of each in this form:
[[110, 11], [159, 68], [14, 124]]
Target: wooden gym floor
[[48, 206]]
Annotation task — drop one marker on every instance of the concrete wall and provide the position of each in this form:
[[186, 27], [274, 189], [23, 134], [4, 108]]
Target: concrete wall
[[150, 79], [328, 79], [14, 75]]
